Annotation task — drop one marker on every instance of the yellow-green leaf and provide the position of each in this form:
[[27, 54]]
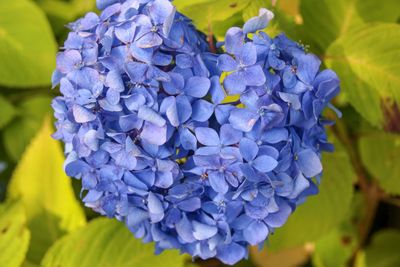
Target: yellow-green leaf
[[27, 46], [14, 235], [368, 62], [380, 153], [46, 193], [105, 243], [7, 111]]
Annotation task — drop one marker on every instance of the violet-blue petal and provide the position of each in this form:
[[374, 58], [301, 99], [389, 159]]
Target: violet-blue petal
[[229, 135], [197, 86], [154, 134], [82, 115], [309, 163], [256, 232], [218, 182], [227, 63], [258, 23], [265, 163], [203, 231], [207, 136], [242, 119], [248, 149], [202, 110]]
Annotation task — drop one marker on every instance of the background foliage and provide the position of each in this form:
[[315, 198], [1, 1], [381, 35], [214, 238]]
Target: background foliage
[[354, 221]]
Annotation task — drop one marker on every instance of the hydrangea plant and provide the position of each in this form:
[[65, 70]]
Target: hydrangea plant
[[148, 131]]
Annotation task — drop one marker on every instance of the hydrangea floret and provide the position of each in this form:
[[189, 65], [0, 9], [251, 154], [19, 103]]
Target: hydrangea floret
[[147, 131]]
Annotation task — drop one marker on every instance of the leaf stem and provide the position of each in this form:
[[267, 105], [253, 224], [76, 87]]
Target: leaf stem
[[369, 189]]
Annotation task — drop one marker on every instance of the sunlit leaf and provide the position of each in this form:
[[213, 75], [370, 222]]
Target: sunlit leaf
[[46, 193], [368, 62], [14, 235], [107, 242], [210, 14], [27, 45]]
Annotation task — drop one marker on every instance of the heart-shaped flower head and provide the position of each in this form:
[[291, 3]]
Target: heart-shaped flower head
[[146, 128]]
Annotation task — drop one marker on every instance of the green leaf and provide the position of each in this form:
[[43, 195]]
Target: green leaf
[[7, 111], [40, 183], [30, 117], [322, 213], [326, 20], [61, 12], [27, 46], [383, 250], [335, 248], [368, 62], [380, 154], [212, 15], [371, 11], [107, 242], [14, 235]]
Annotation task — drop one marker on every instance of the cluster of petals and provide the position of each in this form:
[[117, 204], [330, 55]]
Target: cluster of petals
[[147, 129]]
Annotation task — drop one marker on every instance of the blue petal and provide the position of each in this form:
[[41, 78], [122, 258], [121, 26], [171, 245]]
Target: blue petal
[[248, 54], [300, 184], [254, 76], [125, 32], [202, 110], [190, 205], [164, 179], [265, 163], [207, 136], [82, 115], [279, 218], [242, 119], [114, 81], [248, 149], [216, 91], [149, 40], [218, 182], [258, 23], [229, 135], [135, 217], [185, 230], [155, 207], [292, 99], [197, 86], [150, 115], [184, 61], [256, 232], [203, 231], [309, 163], [136, 71], [227, 63], [275, 135], [130, 122], [307, 67], [231, 253], [235, 83], [188, 140], [154, 134], [234, 40]]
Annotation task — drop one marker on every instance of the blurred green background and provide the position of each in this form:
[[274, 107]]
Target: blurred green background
[[354, 221]]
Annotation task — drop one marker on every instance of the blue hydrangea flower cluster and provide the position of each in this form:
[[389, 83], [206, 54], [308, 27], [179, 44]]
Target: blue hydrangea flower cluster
[[148, 131]]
